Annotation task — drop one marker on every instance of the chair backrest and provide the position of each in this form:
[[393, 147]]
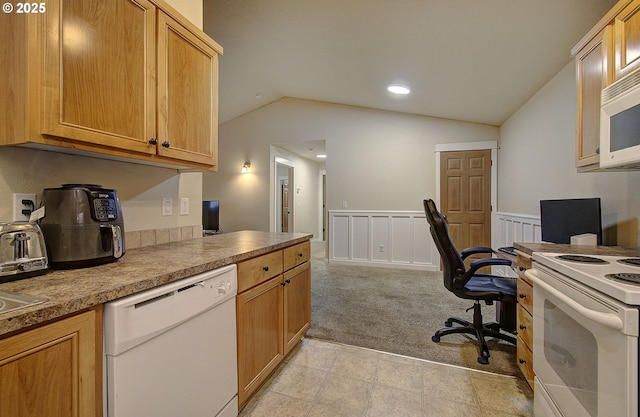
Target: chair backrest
[[452, 263]]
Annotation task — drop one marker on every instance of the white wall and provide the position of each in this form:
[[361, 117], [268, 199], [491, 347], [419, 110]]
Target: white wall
[[140, 188], [376, 160], [537, 161]]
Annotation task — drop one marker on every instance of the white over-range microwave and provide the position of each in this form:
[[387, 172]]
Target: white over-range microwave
[[620, 123]]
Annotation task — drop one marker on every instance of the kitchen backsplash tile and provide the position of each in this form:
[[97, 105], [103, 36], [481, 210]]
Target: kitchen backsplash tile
[[162, 236], [142, 238]]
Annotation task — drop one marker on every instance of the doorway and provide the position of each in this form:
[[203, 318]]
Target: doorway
[[466, 181], [284, 206]]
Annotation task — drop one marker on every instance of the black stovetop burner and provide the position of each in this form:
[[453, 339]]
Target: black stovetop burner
[[582, 259], [625, 277], [630, 261]]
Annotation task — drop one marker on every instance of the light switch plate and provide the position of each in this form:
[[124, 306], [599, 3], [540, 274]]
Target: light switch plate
[[167, 206], [184, 206]]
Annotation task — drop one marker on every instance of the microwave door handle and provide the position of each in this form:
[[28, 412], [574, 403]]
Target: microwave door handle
[[606, 319]]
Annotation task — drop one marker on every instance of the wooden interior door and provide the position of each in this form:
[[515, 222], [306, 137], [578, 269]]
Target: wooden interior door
[[465, 196]]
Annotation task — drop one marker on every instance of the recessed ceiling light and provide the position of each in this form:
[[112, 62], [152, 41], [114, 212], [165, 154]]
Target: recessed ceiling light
[[321, 155], [398, 89]]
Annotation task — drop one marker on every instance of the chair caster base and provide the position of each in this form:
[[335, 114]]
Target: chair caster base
[[435, 338], [482, 360]]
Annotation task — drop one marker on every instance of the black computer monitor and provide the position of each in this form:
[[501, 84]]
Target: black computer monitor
[[561, 219], [211, 215]]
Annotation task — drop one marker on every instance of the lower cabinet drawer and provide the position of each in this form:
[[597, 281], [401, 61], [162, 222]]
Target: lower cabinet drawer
[[257, 270], [296, 255], [525, 295], [525, 361], [525, 326]]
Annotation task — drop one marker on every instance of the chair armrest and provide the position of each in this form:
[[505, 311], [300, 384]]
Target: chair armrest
[[473, 250], [481, 263]]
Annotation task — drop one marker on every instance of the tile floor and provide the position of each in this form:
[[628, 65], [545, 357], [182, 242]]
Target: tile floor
[[328, 379]]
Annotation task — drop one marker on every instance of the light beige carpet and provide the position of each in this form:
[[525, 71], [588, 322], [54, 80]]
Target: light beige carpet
[[397, 311]]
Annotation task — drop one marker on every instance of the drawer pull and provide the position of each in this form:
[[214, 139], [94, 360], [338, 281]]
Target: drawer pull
[[522, 268], [300, 255], [265, 268], [522, 361], [522, 295], [522, 327]]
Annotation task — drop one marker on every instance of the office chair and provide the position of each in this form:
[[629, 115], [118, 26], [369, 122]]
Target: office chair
[[469, 284]]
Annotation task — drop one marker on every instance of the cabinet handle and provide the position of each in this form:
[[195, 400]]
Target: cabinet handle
[[300, 255], [522, 295], [153, 141], [166, 144], [288, 281], [522, 327], [283, 284], [522, 361], [522, 268], [265, 268]]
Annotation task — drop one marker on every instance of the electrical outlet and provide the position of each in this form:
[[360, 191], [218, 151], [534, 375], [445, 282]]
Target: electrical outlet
[[184, 206], [167, 206], [381, 248], [23, 205]]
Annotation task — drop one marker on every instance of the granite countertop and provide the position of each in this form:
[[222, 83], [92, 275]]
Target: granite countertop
[[69, 291], [529, 248]]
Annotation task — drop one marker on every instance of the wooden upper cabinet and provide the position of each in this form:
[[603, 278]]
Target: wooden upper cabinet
[[592, 75], [626, 28], [187, 94], [128, 79], [100, 78]]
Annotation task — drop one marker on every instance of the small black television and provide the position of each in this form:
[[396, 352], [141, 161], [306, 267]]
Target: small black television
[[211, 215], [561, 219]]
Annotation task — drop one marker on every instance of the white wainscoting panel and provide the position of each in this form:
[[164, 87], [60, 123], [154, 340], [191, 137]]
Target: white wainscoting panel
[[401, 239], [511, 228], [397, 239], [516, 228]]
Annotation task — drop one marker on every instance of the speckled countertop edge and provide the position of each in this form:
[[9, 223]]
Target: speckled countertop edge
[[70, 291]]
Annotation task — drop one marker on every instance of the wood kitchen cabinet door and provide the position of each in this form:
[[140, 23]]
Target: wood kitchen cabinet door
[[297, 305], [187, 94], [626, 29], [260, 335], [593, 73], [99, 86], [53, 370]]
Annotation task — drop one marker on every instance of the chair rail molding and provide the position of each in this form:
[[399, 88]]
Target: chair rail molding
[[393, 239]]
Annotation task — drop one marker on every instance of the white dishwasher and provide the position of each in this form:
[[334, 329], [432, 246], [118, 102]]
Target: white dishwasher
[[171, 351]]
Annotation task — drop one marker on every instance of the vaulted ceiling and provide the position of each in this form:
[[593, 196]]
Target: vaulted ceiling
[[470, 60]]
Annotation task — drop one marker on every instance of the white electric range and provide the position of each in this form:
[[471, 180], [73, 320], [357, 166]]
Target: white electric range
[[586, 327]]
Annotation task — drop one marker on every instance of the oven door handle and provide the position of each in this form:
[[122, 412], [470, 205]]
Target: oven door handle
[[606, 319]]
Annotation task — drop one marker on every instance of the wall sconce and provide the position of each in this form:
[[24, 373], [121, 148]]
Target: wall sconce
[[245, 167]]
